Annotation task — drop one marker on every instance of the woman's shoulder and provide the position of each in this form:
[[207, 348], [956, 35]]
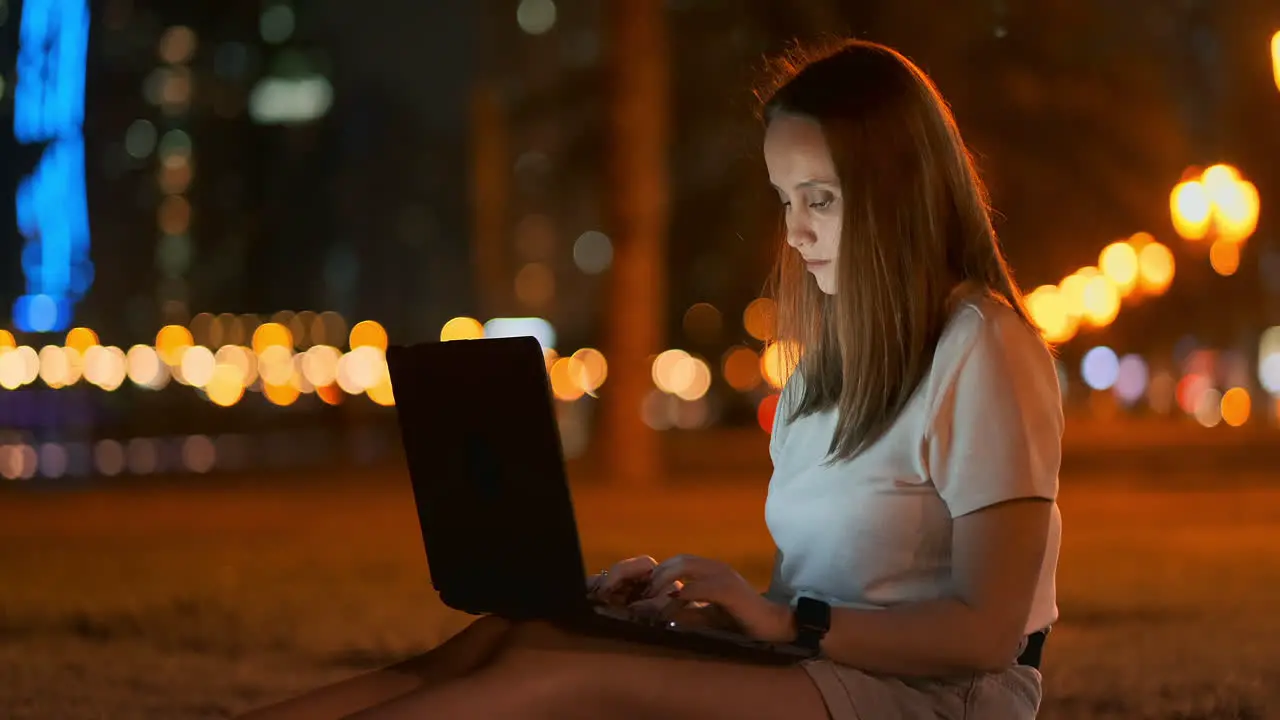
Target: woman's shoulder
[[991, 348], [982, 320]]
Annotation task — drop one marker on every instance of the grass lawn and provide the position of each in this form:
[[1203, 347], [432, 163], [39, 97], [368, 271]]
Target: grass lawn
[[195, 599]]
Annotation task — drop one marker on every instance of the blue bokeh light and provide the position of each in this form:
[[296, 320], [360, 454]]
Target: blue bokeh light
[[48, 109]]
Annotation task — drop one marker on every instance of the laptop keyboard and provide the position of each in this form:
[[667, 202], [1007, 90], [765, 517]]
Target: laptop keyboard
[[625, 615], [701, 639]]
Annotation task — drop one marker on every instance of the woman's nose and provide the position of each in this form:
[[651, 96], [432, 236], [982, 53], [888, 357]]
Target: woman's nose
[[799, 233]]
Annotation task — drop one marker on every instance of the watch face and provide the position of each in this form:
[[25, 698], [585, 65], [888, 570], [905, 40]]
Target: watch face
[[813, 614]]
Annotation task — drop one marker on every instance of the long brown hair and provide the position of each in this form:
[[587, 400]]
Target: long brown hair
[[916, 232]]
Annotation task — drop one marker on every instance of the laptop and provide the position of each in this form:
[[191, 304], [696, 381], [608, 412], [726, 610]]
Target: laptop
[[487, 469]]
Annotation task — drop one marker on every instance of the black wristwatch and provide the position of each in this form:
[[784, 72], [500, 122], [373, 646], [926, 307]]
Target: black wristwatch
[[813, 620]]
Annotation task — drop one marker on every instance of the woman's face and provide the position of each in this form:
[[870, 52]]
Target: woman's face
[[801, 170]]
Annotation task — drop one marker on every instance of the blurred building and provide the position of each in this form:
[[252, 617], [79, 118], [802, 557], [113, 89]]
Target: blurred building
[[265, 156]]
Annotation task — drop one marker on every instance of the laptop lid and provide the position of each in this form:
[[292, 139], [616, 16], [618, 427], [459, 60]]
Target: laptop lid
[[486, 465]]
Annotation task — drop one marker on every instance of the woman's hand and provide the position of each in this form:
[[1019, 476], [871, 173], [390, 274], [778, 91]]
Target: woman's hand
[[622, 584], [704, 580]]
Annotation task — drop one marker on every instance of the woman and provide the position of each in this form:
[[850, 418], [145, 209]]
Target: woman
[[916, 451]]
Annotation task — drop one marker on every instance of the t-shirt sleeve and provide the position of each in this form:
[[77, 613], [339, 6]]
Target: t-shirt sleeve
[[996, 429]]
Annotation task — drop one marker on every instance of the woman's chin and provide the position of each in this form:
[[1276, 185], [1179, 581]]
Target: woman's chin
[[826, 285]]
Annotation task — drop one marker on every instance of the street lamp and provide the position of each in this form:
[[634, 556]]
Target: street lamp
[[1220, 206]]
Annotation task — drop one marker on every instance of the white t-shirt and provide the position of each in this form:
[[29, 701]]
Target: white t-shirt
[[984, 426]]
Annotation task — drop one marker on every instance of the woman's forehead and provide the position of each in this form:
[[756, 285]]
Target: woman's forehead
[[796, 152]]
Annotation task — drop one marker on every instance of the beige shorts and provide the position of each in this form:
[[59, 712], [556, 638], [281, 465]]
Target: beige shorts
[[850, 694]]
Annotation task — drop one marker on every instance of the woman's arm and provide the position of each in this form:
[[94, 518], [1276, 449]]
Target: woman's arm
[[996, 558], [777, 591]]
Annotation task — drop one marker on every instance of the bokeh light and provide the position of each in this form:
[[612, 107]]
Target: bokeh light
[[225, 387], [1101, 300], [330, 394], [205, 330], [567, 374], [197, 366], [1071, 289], [242, 360], [694, 378], [1190, 209], [741, 367], [142, 456], [106, 367], [18, 461], [1100, 368], [1119, 263], [60, 366], [145, 368], [593, 252], [1235, 406], [276, 23], [776, 363], [1224, 256], [171, 341], [1275, 58], [275, 365], [81, 339], [1131, 379], [272, 334], [1155, 268], [282, 395], [320, 365], [535, 285], [174, 215], [665, 367], [702, 323], [366, 367], [760, 319], [1207, 408], [1219, 203], [1050, 312], [766, 411], [177, 44], [381, 393], [462, 328], [52, 460], [108, 457], [1269, 359], [595, 369], [1234, 200], [536, 16], [1162, 392], [199, 454], [368, 333], [657, 411]]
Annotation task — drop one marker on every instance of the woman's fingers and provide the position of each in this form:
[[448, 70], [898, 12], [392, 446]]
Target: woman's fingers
[[623, 583], [679, 567], [655, 607], [626, 573]]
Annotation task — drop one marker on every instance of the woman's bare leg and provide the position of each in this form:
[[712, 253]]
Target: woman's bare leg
[[455, 658], [543, 672]]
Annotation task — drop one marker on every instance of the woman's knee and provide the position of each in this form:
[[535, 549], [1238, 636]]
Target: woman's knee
[[471, 646]]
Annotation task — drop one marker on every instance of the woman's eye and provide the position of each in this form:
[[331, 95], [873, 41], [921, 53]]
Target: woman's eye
[[821, 204]]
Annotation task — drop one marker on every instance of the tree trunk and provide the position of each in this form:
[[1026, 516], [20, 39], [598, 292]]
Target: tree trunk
[[638, 181]]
